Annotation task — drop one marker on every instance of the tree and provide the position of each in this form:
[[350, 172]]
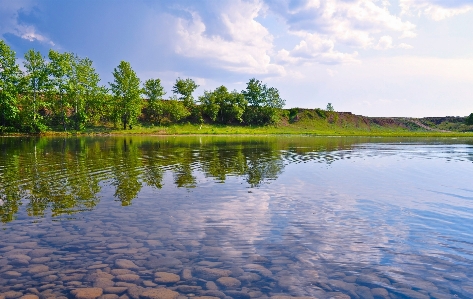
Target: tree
[[60, 70], [222, 105], [469, 119], [10, 80], [88, 93], [36, 83], [330, 107], [264, 103], [126, 93], [155, 92], [185, 88]]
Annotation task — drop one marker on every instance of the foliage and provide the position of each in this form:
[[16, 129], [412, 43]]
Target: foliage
[[10, 84], [264, 103], [330, 107], [469, 119], [185, 88], [223, 106], [126, 95], [155, 92]]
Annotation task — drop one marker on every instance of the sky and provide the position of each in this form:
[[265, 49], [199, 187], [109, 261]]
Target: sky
[[411, 58]]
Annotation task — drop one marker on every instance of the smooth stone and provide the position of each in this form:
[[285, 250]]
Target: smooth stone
[[12, 294], [40, 260], [149, 283], [166, 262], [99, 266], [12, 274], [238, 295], [186, 274], [37, 253], [188, 289], [120, 272], [109, 296], [117, 245], [87, 293], [211, 273], [128, 277], [115, 290], [260, 269], [159, 294], [130, 251], [125, 264], [103, 283], [229, 282], [412, 294], [213, 293], [380, 293], [29, 297], [210, 285], [38, 269], [134, 291], [206, 297], [165, 277]]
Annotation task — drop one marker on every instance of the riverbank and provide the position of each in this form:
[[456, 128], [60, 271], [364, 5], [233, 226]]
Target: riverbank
[[298, 121], [209, 129]]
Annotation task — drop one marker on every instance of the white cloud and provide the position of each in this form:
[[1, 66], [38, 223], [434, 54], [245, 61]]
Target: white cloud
[[9, 21], [322, 25], [385, 42], [405, 46], [436, 9], [241, 44]]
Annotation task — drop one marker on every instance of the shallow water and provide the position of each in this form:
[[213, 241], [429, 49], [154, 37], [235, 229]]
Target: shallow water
[[239, 217]]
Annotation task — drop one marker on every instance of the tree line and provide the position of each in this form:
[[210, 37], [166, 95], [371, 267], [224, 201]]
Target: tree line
[[62, 92]]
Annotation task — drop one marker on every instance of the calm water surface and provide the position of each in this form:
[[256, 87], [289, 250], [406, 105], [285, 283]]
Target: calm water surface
[[236, 217]]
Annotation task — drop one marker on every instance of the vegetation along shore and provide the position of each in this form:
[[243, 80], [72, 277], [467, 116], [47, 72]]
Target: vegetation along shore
[[62, 95]]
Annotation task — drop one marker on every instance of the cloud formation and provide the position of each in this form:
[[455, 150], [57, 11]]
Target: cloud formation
[[9, 24], [436, 9]]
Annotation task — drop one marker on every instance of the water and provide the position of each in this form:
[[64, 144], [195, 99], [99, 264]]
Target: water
[[238, 217]]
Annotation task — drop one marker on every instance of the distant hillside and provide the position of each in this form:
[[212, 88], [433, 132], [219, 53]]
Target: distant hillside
[[322, 119]]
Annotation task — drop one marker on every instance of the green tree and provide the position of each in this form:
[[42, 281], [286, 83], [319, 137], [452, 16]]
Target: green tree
[[155, 92], [60, 70], [469, 119], [88, 93], [264, 102], [185, 88], [223, 106], [36, 83], [10, 83], [330, 107], [126, 92]]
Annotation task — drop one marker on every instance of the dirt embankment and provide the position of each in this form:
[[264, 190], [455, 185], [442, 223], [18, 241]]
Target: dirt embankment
[[349, 120]]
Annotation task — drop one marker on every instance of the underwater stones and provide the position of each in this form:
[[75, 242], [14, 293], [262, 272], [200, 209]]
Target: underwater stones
[[40, 253], [188, 289], [229, 282], [165, 262], [128, 277], [134, 291], [161, 293], [211, 273], [117, 245], [125, 264], [380, 293], [30, 296], [87, 293], [165, 277], [12, 274], [19, 259], [40, 260], [109, 296], [103, 282], [149, 283], [210, 285], [11, 295], [38, 269], [238, 294], [186, 274], [258, 268], [115, 290]]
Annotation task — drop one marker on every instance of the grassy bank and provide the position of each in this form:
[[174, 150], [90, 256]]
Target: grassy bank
[[302, 122], [209, 129]]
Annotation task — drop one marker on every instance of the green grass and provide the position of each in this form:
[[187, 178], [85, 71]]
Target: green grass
[[320, 129]]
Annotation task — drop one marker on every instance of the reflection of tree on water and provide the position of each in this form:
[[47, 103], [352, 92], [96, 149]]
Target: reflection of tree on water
[[64, 175]]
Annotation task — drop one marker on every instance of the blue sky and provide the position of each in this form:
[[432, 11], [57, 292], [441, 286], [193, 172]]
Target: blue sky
[[370, 57]]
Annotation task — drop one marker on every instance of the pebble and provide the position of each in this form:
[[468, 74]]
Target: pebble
[[161, 293], [165, 277], [125, 264], [87, 293], [229, 282]]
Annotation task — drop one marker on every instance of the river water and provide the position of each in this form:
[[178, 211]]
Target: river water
[[236, 217]]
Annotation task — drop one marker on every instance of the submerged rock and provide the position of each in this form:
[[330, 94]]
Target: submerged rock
[[87, 293], [159, 294], [165, 277]]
